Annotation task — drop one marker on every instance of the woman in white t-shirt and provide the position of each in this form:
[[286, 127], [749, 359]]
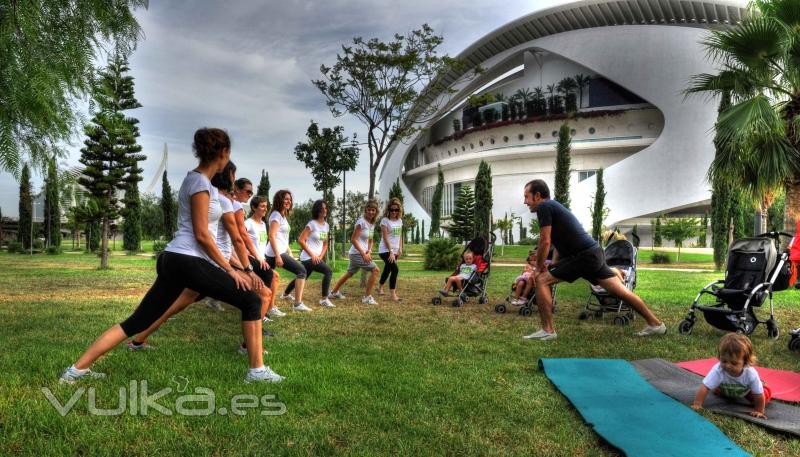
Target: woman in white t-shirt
[[278, 253], [361, 254], [391, 245], [191, 261], [257, 234], [314, 244]]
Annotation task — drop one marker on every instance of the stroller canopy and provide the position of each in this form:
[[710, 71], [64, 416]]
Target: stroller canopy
[[620, 253]]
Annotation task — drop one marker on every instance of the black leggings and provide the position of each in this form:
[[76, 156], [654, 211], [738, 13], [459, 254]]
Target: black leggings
[[389, 271], [310, 268], [265, 275], [290, 264], [180, 271]]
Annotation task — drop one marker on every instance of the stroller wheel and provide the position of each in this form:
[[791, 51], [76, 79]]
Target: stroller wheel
[[620, 320], [525, 311], [457, 303], [772, 329], [483, 300], [598, 314], [583, 316], [501, 308], [685, 327], [794, 343], [436, 301]]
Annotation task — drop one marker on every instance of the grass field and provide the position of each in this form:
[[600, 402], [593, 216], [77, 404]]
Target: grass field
[[405, 378]]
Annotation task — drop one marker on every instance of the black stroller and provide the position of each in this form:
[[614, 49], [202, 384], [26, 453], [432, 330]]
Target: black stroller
[[622, 255], [478, 282], [754, 272]]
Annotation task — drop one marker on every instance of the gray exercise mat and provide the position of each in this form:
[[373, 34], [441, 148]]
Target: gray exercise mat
[[682, 385]]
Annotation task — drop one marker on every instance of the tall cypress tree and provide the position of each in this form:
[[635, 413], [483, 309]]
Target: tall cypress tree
[[422, 233], [483, 200], [657, 233], [599, 207], [263, 185], [396, 191], [721, 199], [106, 152], [168, 208], [463, 216], [563, 162], [52, 208], [25, 208], [436, 204]]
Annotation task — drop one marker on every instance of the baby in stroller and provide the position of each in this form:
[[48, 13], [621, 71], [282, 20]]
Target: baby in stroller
[[465, 271]]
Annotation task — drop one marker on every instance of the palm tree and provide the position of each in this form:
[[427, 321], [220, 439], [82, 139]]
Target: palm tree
[[499, 97], [582, 82], [568, 86], [761, 72], [553, 104], [539, 101]]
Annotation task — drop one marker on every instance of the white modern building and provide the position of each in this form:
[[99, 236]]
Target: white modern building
[[632, 119]]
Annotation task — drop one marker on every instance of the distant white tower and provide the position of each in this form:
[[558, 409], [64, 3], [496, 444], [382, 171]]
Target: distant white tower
[[161, 167]]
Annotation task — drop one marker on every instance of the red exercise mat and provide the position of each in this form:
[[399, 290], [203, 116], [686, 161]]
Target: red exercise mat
[[785, 385]]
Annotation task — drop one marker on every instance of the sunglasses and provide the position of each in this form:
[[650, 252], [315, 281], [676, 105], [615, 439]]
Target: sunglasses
[[394, 210], [249, 192]]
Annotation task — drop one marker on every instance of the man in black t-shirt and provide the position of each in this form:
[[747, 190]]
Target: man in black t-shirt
[[579, 256]]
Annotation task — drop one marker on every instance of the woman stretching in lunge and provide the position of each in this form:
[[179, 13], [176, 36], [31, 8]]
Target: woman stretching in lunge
[[314, 244], [361, 254]]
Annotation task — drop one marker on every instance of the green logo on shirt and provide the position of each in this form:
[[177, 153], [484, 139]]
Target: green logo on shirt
[[262, 237], [397, 231]]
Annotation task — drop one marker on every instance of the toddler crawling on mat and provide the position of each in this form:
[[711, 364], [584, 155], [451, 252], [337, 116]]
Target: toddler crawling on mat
[[734, 376]]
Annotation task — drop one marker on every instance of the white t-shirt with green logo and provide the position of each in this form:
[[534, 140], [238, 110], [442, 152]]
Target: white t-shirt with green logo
[[395, 233], [364, 236], [465, 271], [257, 230], [734, 386], [282, 235], [317, 236]]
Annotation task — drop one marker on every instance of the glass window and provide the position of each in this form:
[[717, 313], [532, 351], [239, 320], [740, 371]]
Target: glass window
[[584, 175]]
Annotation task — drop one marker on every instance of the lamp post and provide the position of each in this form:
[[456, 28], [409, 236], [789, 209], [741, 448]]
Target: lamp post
[[33, 213]]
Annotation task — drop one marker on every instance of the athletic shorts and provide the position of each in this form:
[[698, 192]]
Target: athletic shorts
[[589, 264], [357, 263]]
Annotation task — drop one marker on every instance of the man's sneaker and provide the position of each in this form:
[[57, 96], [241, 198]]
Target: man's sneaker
[[139, 347], [276, 312], [336, 294], [368, 300], [243, 350], [653, 330], [214, 304], [266, 320], [71, 375], [325, 303], [287, 297], [538, 335], [301, 307], [264, 374]]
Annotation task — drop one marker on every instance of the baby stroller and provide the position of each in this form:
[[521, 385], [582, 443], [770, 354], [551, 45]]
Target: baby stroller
[[794, 342], [754, 272], [527, 308], [478, 282], [622, 255]]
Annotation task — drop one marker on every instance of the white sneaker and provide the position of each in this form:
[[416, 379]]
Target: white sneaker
[[287, 297], [264, 374], [337, 294], [653, 330], [301, 307], [276, 312], [538, 335], [71, 375], [326, 303], [266, 320], [368, 300]]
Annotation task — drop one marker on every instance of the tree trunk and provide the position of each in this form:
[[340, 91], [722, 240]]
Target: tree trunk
[[763, 216], [104, 244], [372, 174]]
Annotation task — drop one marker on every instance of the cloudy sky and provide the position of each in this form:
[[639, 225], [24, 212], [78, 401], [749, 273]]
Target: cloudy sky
[[247, 66]]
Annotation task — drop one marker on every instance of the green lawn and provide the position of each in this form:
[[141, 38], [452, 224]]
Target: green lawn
[[405, 378]]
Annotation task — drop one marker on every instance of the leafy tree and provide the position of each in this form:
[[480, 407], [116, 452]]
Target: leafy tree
[[152, 217], [463, 218], [563, 163], [483, 200], [598, 208], [52, 206], [326, 155], [110, 141], [534, 229], [353, 207], [758, 68], [168, 208], [678, 230], [381, 83], [25, 208], [436, 204], [263, 185], [416, 235], [775, 223], [299, 217], [581, 82], [48, 49]]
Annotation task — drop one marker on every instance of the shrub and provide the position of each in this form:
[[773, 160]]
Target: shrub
[[55, 250], [442, 254], [159, 246], [660, 257], [14, 246]]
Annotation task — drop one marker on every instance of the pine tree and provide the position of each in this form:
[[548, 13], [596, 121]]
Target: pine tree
[[563, 162], [263, 185], [436, 204], [599, 210], [52, 208], [168, 208], [463, 227], [483, 200], [657, 233], [25, 208], [106, 152], [396, 191]]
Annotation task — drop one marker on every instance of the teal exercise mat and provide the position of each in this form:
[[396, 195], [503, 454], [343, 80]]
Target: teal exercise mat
[[682, 385], [631, 414]]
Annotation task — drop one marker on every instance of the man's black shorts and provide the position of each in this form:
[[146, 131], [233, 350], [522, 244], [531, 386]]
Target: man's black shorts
[[589, 264]]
